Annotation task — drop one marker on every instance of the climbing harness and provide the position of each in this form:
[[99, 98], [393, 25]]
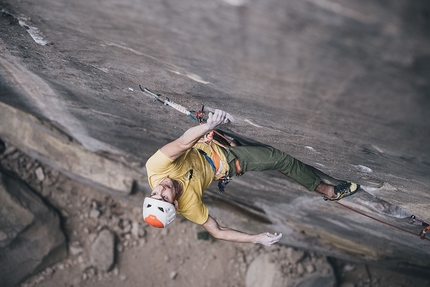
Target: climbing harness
[[222, 141], [216, 137]]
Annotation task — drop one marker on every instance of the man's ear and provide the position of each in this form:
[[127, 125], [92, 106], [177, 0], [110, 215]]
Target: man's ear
[[176, 204]]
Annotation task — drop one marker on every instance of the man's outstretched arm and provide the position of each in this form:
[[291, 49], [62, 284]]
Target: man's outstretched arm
[[176, 148], [212, 226]]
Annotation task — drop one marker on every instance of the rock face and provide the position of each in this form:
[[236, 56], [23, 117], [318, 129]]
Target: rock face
[[31, 238], [341, 86]]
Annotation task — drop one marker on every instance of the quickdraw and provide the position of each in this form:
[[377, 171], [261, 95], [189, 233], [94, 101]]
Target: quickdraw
[[168, 102], [424, 232], [414, 220], [198, 115]]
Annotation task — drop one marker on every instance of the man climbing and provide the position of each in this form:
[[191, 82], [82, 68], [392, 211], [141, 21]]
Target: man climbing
[[181, 170]]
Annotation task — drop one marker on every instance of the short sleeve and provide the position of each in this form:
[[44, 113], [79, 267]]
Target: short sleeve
[[158, 167], [197, 213], [158, 162]]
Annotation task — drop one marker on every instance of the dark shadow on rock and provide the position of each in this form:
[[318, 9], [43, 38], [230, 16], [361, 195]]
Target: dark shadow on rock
[[32, 238], [2, 146]]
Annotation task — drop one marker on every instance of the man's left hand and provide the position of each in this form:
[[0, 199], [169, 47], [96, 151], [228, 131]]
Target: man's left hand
[[267, 238]]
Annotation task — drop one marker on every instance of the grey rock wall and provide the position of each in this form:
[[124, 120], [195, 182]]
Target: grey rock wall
[[31, 238], [343, 86]]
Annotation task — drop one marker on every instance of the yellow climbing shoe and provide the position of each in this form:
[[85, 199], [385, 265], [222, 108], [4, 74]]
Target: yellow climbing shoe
[[343, 189]]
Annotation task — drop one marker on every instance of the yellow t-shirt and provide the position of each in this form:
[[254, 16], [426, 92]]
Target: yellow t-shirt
[[194, 173]]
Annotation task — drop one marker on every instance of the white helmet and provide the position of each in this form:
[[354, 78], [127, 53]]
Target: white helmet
[[158, 213]]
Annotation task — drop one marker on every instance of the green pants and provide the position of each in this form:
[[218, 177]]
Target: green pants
[[259, 158]]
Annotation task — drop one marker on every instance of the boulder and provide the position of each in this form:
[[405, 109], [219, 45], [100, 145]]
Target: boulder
[[31, 237], [102, 252], [264, 272], [294, 256], [275, 270]]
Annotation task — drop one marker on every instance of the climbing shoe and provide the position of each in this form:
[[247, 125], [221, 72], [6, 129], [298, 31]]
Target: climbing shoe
[[343, 189]]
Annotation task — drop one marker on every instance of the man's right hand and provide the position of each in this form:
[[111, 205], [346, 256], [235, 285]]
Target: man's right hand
[[216, 119], [267, 238], [176, 148]]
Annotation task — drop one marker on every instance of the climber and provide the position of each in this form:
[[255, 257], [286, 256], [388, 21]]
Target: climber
[[181, 170]]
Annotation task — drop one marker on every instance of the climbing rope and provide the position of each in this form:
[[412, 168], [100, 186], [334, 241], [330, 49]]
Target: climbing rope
[[421, 235]]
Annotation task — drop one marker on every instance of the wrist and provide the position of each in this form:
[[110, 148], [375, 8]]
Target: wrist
[[208, 127], [255, 239]]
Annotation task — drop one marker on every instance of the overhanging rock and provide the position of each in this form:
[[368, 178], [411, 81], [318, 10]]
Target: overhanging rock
[[339, 85]]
